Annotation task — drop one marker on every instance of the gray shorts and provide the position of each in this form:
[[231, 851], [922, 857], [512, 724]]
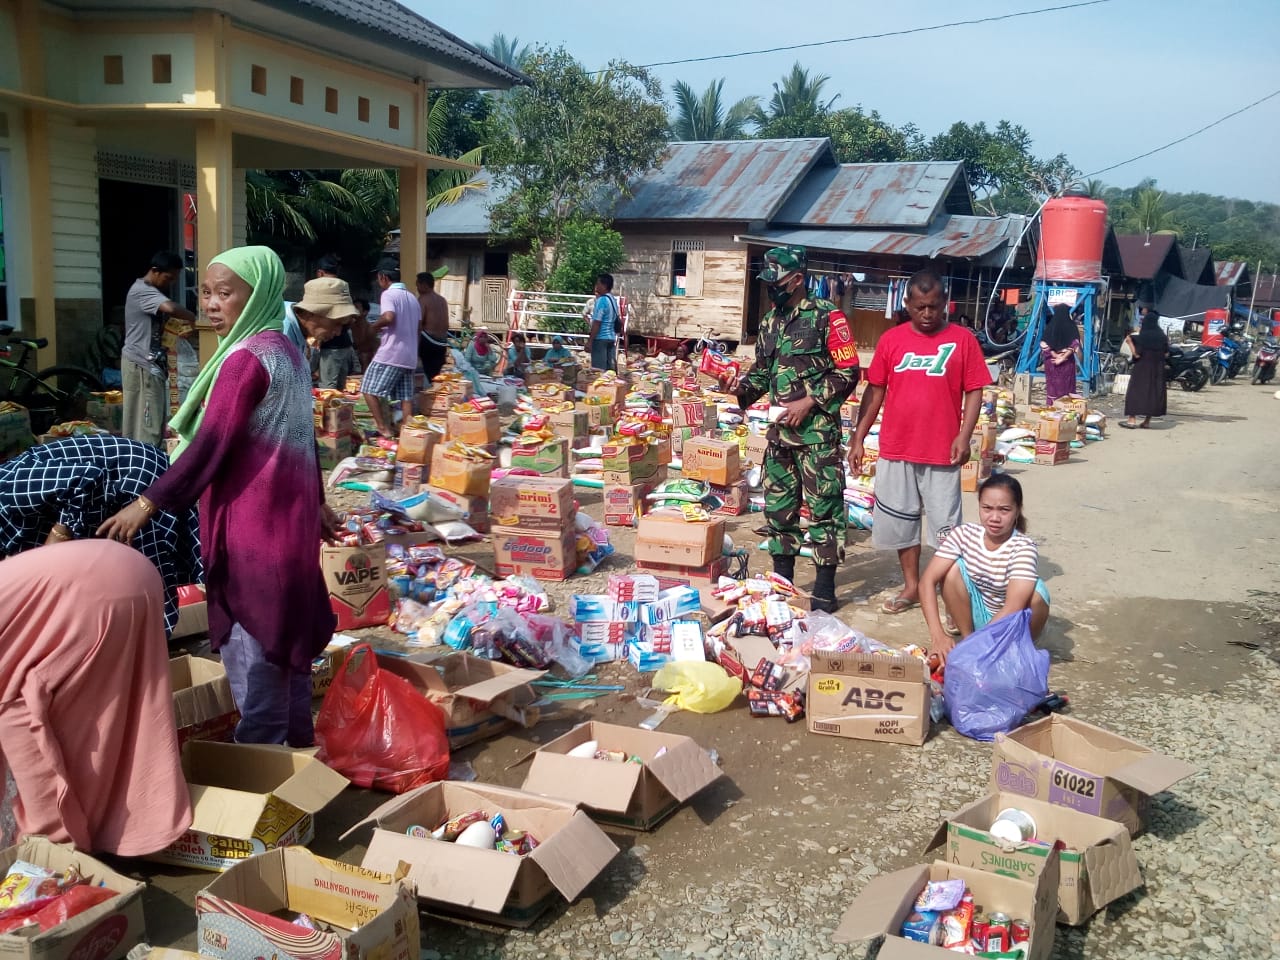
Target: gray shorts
[[906, 490]]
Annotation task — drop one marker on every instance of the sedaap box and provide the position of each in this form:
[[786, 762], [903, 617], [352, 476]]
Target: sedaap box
[[480, 698], [473, 426], [670, 539], [712, 460], [549, 459], [1074, 764], [107, 931], [247, 799], [634, 795], [1096, 860], [488, 884], [532, 503], [735, 499], [363, 915], [869, 697], [356, 578], [544, 555], [625, 504], [878, 911], [462, 475], [202, 703], [1051, 454]]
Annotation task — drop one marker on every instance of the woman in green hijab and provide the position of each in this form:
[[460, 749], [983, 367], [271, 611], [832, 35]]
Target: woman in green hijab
[[247, 453]]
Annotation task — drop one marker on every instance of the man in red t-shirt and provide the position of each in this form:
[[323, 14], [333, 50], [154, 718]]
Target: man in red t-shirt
[[929, 376]]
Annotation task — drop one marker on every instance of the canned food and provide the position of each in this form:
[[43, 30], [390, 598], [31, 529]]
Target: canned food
[[978, 931], [999, 934], [1020, 931]]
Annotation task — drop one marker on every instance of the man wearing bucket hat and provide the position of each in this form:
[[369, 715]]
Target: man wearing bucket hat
[[807, 363], [324, 313]]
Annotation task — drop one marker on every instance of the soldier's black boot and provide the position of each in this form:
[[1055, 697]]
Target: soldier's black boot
[[785, 566], [824, 589]]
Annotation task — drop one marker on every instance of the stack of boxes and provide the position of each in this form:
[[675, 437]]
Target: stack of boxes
[[418, 440], [719, 463], [445, 392], [679, 551], [535, 530], [106, 410], [982, 452], [639, 622], [1055, 429], [631, 470], [335, 424]]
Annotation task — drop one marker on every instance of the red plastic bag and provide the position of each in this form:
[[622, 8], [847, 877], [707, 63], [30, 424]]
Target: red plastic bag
[[57, 910], [378, 731]]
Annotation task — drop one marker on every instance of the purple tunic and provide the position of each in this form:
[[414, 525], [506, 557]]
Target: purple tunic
[[1059, 379], [252, 465]]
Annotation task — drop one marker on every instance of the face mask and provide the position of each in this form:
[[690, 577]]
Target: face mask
[[780, 293]]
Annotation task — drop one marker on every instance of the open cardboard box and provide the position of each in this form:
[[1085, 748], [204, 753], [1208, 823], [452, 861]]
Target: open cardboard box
[[372, 916], [202, 703], [193, 612], [1097, 862], [1074, 764], [247, 799], [480, 698], [887, 900], [107, 931], [638, 796], [488, 884]]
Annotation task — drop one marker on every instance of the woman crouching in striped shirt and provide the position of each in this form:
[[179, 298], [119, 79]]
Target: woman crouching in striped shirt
[[986, 570]]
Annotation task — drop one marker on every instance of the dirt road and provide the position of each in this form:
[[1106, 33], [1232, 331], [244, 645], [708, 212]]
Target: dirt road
[[1159, 547]]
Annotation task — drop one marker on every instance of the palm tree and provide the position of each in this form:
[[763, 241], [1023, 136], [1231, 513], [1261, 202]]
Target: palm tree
[[704, 117], [511, 51], [1095, 189], [796, 108], [293, 204]]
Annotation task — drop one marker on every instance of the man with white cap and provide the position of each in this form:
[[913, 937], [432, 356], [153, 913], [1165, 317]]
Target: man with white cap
[[324, 314]]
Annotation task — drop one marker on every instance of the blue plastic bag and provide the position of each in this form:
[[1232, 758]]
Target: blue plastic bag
[[995, 677]]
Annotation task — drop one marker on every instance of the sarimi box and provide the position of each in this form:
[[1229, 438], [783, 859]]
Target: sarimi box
[[362, 915], [532, 503], [356, 578], [869, 697]]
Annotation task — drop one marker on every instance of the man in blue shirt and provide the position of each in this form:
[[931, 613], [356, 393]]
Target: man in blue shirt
[[605, 319]]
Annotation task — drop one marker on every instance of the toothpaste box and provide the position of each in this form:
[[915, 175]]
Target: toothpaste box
[[686, 640], [642, 588], [671, 604], [588, 607]]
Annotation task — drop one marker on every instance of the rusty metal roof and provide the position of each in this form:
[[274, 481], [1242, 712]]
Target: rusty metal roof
[[1230, 273], [1143, 256], [877, 195], [724, 180], [951, 238]]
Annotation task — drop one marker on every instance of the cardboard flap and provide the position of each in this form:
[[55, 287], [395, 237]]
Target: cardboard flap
[[875, 910], [684, 770], [1111, 869], [312, 788], [488, 690], [593, 783], [394, 805], [463, 876], [1153, 773], [225, 812], [574, 855], [898, 948]]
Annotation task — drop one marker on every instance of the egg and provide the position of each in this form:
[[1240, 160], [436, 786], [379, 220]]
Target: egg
[[587, 750], [479, 835]]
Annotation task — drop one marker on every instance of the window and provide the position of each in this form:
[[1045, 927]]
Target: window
[[496, 263], [362, 109], [258, 80], [295, 90], [161, 68], [113, 69], [686, 268], [393, 117], [330, 99]]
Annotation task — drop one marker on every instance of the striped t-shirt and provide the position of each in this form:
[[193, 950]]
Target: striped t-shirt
[[991, 570]]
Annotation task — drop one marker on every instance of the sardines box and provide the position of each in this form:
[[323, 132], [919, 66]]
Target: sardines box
[[202, 703], [106, 931], [460, 474], [869, 697], [1074, 764], [416, 444], [1096, 858], [634, 795], [629, 463], [356, 578], [364, 915], [532, 503], [247, 799], [474, 426], [544, 555], [712, 460], [488, 885], [887, 900], [735, 499], [549, 459], [670, 539], [480, 698]]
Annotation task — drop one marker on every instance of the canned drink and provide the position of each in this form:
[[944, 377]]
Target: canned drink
[[978, 931], [998, 932], [1020, 931]]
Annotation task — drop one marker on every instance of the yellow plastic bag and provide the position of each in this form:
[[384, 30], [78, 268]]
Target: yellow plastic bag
[[697, 685]]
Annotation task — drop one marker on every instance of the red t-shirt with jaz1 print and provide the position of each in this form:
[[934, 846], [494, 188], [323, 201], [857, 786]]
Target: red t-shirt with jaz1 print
[[925, 380]]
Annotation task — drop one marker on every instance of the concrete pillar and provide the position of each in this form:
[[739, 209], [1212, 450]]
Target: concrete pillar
[[214, 198], [413, 222]]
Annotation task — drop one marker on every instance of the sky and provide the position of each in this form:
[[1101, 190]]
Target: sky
[[1100, 83]]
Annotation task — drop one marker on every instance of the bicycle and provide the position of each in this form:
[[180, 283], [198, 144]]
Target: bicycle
[[53, 395]]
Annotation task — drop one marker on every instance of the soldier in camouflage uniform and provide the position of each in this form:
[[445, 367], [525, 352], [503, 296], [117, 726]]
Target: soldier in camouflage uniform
[[806, 362]]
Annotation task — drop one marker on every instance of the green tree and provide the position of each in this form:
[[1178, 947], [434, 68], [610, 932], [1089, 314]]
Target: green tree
[[796, 108], [511, 51], [569, 146], [859, 137], [705, 117]]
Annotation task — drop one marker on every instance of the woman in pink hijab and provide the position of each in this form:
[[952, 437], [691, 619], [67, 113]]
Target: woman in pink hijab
[[86, 710]]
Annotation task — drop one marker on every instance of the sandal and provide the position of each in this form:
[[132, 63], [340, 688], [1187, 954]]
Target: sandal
[[949, 627], [1128, 426], [898, 605]]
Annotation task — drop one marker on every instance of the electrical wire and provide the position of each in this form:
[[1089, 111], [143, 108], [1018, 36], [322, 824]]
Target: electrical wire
[[877, 36]]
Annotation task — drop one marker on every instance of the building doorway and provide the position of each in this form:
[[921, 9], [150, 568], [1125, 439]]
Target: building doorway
[[135, 221]]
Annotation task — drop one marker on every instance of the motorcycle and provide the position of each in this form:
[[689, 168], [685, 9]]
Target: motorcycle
[[1233, 355], [1187, 366], [1264, 366]]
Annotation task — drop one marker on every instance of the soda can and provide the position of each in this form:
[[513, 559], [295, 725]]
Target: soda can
[[978, 931], [998, 933], [1020, 931]]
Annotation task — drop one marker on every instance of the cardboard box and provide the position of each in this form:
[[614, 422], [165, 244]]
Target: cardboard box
[[202, 703], [635, 795], [666, 538], [625, 504], [1075, 404], [735, 497], [532, 503], [334, 416], [982, 445], [356, 578], [651, 386], [1061, 430], [480, 698], [549, 555], [1074, 764], [455, 472], [411, 476], [107, 931], [247, 799], [331, 451], [692, 413], [550, 459], [325, 667], [1048, 453], [474, 426], [629, 463], [371, 916], [193, 612], [416, 444], [756, 446], [682, 435], [612, 392], [973, 473], [712, 460], [670, 575], [108, 416], [598, 414], [1097, 863], [487, 884], [869, 697], [573, 425], [886, 900]]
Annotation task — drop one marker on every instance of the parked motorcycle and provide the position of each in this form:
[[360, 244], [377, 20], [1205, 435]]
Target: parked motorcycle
[[1264, 366], [1233, 356], [1188, 366]]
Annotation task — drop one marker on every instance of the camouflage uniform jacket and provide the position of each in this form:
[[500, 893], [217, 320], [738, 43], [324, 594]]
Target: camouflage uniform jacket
[[792, 359]]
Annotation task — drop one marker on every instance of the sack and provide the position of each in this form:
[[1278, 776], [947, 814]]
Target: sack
[[995, 678], [378, 731]]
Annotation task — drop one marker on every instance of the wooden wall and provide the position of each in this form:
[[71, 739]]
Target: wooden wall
[[714, 302]]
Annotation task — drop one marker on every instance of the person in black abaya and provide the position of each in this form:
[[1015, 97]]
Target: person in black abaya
[[1146, 394]]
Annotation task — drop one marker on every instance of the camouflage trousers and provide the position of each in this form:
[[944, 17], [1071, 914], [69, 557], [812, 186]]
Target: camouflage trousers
[[812, 475]]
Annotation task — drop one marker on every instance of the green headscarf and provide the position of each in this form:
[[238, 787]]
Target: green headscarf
[[262, 270]]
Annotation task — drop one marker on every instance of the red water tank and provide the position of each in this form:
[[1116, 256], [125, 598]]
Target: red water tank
[[1072, 231], [1215, 322]]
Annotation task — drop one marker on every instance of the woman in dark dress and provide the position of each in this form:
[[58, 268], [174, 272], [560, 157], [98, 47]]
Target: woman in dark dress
[[1058, 351], [1146, 394]]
